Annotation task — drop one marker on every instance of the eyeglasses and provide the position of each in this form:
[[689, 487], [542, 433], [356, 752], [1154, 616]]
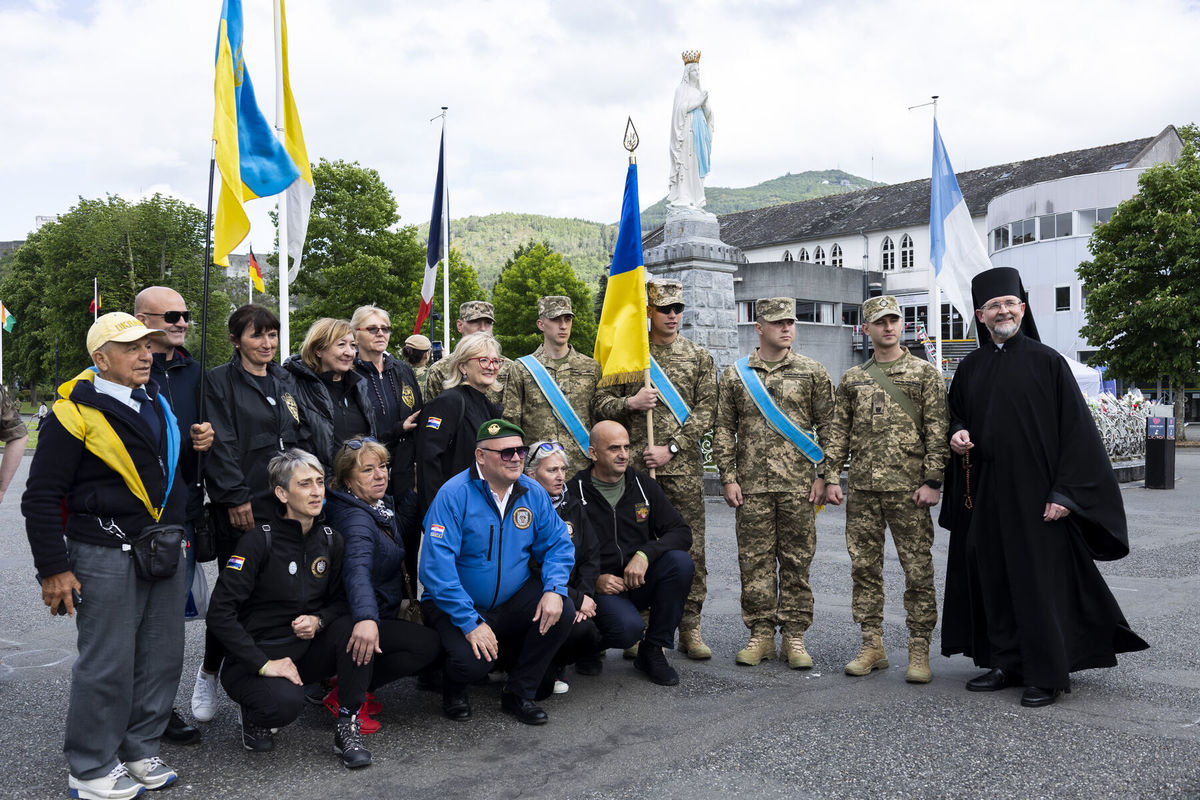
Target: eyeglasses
[[1003, 305], [171, 317], [357, 443], [510, 453], [674, 308], [375, 330], [486, 361]]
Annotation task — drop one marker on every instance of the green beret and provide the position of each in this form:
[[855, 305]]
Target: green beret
[[497, 429]]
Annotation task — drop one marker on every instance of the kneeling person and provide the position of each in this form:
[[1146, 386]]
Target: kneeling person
[[483, 532], [643, 553]]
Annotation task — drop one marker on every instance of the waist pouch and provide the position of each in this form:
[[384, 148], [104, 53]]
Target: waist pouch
[[156, 551]]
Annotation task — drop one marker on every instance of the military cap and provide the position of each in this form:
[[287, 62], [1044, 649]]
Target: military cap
[[498, 429], [418, 342], [554, 306], [476, 309], [664, 292], [879, 307], [774, 309]]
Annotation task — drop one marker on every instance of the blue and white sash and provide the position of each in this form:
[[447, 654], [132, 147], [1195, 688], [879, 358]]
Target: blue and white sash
[[774, 414], [669, 394], [558, 401]]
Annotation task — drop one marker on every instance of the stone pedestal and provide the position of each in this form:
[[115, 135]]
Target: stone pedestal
[[693, 254]]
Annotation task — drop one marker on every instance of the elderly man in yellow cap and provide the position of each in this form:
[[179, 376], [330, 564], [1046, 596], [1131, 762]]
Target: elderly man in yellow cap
[[109, 453]]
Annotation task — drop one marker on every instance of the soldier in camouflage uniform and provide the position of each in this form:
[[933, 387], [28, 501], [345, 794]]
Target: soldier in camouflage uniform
[[416, 354], [773, 485], [676, 456], [14, 434], [895, 477], [576, 375], [473, 316]]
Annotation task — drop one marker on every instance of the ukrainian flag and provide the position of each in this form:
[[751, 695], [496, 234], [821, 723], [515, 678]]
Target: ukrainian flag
[[622, 342], [252, 160]]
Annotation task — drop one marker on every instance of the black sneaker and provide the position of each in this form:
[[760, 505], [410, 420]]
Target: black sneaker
[[348, 743], [590, 665], [650, 660], [179, 732], [255, 738]]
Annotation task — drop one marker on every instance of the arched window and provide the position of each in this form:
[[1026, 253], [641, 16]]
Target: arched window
[[835, 255], [887, 254], [803, 255], [818, 255], [787, 255], [906, 252]]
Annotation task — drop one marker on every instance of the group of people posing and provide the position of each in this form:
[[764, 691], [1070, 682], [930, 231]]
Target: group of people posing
[[544, 518]]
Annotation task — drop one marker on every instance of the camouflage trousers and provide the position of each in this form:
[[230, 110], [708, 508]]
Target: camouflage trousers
[[867, 514], [776, 536], [686, 493]]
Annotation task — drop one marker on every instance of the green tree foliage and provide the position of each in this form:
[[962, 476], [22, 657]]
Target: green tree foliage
[[1143, 283], [353, 256], [48, 282], [534, 271], [464, 286]]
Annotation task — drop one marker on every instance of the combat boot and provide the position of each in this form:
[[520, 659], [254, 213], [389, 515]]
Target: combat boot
[[761, 647], [692, 645], [870, 656], [793, 650], [918, 661]]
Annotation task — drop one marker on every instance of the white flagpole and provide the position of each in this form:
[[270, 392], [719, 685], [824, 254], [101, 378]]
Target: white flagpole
[[445, 244], [95, 299], [249, 280], [285, 347], [935, 293]]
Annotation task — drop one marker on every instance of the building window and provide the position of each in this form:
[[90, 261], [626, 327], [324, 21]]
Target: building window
[[1103, 215], [1055, 225], [745, 311], [787, 255], [1062, 298], [887, 254], [803, 255], [1024, 231], [814, 311], [999, 238], [953, 325], [906, 252], [913, 315], [835, 255], [850, 314], [818, 255], [1083, 296]]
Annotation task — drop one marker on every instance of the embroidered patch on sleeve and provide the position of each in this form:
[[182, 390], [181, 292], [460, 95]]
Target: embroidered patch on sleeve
[[436, 531], [235, 562], [434, 422]]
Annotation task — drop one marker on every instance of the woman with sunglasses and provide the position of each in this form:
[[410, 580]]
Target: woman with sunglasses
[[384, 644], [334, 401], [446, 431], [547, 464], [254, 414]]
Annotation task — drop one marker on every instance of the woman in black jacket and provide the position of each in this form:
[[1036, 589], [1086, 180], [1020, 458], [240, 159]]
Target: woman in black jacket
[[252, 407], [446, 432], [387, 646], [333, 397], [547, 464]]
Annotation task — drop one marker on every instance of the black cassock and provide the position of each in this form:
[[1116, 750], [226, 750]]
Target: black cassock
[[1022, 594]]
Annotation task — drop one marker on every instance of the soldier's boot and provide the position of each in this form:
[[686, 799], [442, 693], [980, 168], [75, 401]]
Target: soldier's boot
[[793, 650], [761, 647], [630, 653], [692, 645], [918, 661], [871, 656]]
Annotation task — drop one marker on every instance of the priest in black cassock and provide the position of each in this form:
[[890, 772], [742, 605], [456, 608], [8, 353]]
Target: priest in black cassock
[[1031, 502]]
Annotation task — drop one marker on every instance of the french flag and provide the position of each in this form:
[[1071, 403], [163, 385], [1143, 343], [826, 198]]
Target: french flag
[[433, 253], [955, 248]]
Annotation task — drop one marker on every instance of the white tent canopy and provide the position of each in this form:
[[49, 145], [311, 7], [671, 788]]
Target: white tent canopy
[[1088, 378]]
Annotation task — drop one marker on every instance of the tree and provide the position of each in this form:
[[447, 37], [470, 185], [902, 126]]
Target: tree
[[1143, 283], [464, 286], [534, 271], [353, 256]]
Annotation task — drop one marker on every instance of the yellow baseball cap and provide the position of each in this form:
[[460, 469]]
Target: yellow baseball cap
[[117, 326]]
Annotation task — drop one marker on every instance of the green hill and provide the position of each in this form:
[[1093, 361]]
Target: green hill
[[487, 241]]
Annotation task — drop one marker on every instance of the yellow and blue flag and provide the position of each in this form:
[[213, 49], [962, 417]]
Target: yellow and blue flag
[[253, 162], [622, 340]]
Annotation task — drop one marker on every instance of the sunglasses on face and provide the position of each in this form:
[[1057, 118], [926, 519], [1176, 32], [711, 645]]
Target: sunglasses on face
[[485, 362], [375, 330], [674, 308], [509, 453], [357, 444], [171, 317]]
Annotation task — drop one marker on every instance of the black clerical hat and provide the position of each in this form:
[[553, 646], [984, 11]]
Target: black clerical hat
[[1002, 282]]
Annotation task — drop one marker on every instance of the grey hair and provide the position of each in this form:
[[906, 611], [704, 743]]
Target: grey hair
[[283, 466], [538, 454]]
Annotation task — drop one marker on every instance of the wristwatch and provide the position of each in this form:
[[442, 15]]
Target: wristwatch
[[673, 448]]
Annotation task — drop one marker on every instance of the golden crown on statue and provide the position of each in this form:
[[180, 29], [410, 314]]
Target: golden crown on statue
[[691, 56]]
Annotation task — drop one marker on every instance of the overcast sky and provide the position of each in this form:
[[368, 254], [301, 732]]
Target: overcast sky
[[115, 96]]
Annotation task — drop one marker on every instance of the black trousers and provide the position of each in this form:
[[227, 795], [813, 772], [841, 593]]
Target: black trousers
[[668, 581], [225, 537], [408, 648], [515, 630]]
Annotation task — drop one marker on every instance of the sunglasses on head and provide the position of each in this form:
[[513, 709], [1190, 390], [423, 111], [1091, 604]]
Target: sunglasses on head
[[357, 443], [171, 317], [509, 453], [674, 308]]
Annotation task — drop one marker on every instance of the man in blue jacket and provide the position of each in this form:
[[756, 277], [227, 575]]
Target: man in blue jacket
[[487, 529]]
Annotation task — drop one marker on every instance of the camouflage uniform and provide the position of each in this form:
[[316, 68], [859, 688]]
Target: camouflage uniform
[[12, 427], [693, 372], [891, 456], [776, 523], [576, 375]]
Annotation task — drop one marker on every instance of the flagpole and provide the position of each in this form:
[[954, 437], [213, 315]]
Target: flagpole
[[95, 299], [208, 219], [445, 244], [936, 292], [249, 280], [285, 300]]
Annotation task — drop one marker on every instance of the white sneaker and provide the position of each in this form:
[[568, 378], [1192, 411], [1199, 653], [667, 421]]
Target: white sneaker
[[561, 687], [204, 697], [151, 772], [116, 785]]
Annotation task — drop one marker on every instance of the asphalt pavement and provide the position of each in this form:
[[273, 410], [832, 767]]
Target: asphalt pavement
[[764, 732]]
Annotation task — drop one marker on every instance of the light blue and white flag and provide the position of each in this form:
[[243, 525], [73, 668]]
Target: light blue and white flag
[[955, 248]]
